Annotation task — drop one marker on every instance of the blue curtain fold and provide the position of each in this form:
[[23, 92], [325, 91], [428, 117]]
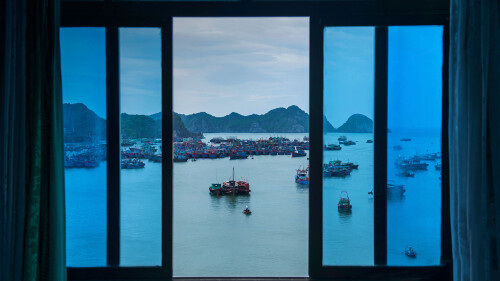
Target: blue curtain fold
[[474, 136]]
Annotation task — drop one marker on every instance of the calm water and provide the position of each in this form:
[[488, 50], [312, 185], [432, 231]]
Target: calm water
[[212, 237]]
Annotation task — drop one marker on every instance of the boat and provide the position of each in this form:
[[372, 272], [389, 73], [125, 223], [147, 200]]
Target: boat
[[438, 166], [411, 164], [333, 147], [410, 252], [395, 189], [344, 202], [302, 176], [405, 139], [397, 147], [406, 174], [232, 187], [157, 158], [369, 141], [180, 158], [215, 189], [238, 155], [299, 153], [247, 211], [349, 142], [132, 164], [342, 138]]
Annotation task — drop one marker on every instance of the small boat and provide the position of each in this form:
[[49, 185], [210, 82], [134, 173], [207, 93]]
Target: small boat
[[215, 189], [369, 141], [405, 139], [406, 174], [344, 202], [333, 147], [438, 166], [397, 147], [247, 211], [395, 189], [342, 138], [299, 153], [349, 142], [370, 192], [410, 252]]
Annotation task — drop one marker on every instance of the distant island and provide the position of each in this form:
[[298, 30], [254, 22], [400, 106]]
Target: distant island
[[82, 124]]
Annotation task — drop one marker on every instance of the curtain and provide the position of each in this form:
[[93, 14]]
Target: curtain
[[474, 131], [32, 192]]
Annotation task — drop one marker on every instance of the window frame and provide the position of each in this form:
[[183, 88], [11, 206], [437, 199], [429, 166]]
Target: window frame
[[113, 15]]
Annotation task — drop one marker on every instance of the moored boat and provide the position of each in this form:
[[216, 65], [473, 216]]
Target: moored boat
[[344, 202], [302, 176], [215, 189]]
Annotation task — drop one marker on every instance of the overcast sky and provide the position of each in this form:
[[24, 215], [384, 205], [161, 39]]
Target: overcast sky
[[253, 65], [245, 65]]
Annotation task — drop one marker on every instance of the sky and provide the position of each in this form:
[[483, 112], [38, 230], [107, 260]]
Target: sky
[[348, 74], [253, 65], [243, 65]]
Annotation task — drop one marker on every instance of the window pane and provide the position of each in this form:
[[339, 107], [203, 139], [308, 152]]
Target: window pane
[[243, 83], [348, 143], [141, 177], [414, 145], [83, 63]]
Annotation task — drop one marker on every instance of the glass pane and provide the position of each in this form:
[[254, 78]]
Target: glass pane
[[141, 177], [83, 63], [242, 84], [414, 145], [348, 145]]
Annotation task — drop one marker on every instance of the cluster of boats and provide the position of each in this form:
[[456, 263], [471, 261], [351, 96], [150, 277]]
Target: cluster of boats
[[84, 155], [133, 163], [342, 140], [230, 187], [238, 149]]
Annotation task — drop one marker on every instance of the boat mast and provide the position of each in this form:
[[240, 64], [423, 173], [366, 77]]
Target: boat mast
[[233, 173]]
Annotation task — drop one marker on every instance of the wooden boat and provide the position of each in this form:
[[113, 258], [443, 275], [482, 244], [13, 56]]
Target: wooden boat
[[215, 189], [247, 211], [344, 202], [369, 141], [233, 187]]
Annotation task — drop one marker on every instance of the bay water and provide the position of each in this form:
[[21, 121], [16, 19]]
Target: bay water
[[212, 237]]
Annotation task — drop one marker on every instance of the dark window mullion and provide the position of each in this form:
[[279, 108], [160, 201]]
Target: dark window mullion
[[167, 147], [316, 146], [380, 177], [113, 147]]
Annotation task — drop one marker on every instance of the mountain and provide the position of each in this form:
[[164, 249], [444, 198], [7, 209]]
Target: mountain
[[82, 124], [357, 123], [327, 126], [279, 120]]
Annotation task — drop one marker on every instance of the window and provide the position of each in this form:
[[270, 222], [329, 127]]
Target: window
[[242, 85], [368, 236], [84, 112]]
